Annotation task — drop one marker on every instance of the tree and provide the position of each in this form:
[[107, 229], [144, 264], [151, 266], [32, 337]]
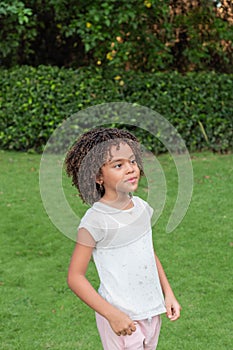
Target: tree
[[148, 35], [16, 32]]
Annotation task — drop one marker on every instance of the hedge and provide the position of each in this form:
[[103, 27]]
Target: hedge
[[34, 101]]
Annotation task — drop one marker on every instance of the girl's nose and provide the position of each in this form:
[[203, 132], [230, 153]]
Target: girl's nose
[[130, 167]]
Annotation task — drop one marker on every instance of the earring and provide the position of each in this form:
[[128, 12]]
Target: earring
[[101, 187]]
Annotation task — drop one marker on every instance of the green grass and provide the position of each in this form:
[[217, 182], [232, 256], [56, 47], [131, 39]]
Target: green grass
[[38, 311]]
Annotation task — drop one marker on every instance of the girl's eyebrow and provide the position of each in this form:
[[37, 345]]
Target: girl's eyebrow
[[120, 159]]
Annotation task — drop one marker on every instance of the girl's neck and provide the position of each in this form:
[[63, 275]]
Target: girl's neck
[[122, 202]]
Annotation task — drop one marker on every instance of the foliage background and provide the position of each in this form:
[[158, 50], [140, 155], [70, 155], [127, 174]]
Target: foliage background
[[148, 35], [34, 101], [59, 57]]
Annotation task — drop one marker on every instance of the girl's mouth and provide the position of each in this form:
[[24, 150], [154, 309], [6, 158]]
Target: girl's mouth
[[132, 180]]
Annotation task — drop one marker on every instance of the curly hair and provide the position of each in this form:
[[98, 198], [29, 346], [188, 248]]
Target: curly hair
[[89, 153]]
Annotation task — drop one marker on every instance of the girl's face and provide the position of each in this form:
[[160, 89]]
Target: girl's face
[[120, 174]]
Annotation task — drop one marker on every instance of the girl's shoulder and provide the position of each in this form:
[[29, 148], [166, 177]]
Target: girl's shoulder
[[91, 214], [138, 201]]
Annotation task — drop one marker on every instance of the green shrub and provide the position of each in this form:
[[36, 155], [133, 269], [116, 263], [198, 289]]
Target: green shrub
[[34, 101]]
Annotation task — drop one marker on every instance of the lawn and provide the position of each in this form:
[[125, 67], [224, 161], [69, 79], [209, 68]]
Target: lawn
[[38, 311]]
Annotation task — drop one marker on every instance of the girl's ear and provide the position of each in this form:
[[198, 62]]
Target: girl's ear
[[99, 182], [99, 178]]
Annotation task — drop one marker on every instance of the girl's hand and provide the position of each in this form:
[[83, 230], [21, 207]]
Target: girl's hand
[[173, 308], [121, 323]]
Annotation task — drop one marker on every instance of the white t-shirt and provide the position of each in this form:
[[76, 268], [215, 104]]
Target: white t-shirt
[[124, 258]]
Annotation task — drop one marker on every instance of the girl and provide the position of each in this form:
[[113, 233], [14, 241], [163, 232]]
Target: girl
[[105, 165]]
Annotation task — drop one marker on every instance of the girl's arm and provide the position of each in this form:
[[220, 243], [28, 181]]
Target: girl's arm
[[172, 305], [77, 281]]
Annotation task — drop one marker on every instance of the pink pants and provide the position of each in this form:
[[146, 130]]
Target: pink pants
[[145, 337]]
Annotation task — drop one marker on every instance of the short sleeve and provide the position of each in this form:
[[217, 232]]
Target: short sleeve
[[85, 238], [150, 210], [90, 231]]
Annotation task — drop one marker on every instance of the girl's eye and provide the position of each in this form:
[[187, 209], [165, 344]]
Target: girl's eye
[[133, 161], [117, 166]]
